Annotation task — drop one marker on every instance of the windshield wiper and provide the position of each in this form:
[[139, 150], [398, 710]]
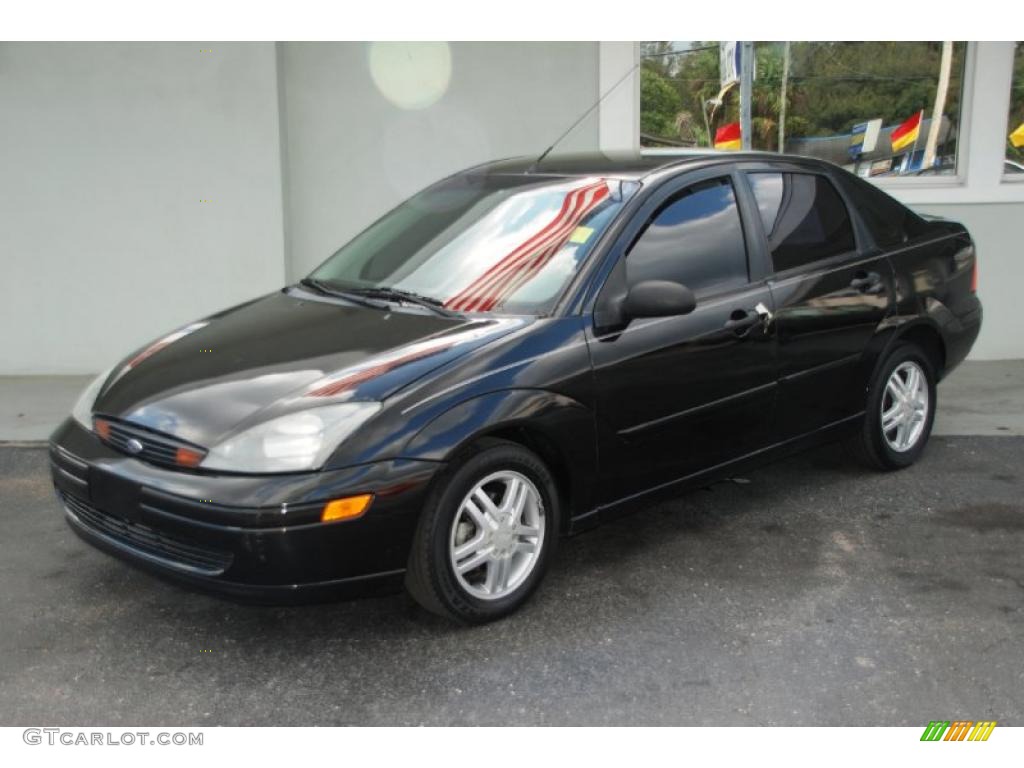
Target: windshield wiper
[[397, 294], [329, 290]]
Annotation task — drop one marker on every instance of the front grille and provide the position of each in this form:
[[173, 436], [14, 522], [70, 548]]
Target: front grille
[[170, 550], [157, 448]]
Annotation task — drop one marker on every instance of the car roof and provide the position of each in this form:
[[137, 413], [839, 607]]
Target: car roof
[[626, 165]]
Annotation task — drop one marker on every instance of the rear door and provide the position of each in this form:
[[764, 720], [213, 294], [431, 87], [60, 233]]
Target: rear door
[[830, 289], [677, 395]]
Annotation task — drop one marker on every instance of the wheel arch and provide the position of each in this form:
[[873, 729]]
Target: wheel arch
[[558, 429], [924, 333], [927, 336], [921, 331]]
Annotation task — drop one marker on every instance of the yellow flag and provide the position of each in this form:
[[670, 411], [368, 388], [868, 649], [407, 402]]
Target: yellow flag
[[1017, 137]]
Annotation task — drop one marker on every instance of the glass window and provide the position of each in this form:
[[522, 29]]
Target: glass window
[[804, 218], [866, 106], [889, 221], [482, 243], [696, 239], [1014, 164]]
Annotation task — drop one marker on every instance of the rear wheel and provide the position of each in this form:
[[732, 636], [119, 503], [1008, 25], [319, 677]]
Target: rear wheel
[[486, 536], [900, 411]]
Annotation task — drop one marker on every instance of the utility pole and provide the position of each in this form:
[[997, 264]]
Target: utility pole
[[940, 105], [782, 97], [746, 92], [707, 125]]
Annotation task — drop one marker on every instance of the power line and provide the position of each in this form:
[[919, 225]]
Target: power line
[[678, 53]]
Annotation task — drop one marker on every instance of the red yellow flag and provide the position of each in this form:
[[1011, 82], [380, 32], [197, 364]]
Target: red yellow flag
[[728, 137], [905, 134]]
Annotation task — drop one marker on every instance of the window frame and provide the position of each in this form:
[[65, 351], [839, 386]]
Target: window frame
[[1010, 178], [894, 185], [678, 195], [862, 239], [609, 278]]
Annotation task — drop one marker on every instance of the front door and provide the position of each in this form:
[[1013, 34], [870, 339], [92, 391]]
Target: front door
[[678, 395]]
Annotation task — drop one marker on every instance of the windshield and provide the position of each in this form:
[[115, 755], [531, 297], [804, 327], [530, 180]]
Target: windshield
[[482, 243]]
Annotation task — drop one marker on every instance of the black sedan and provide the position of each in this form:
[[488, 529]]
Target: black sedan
[[512, 355]]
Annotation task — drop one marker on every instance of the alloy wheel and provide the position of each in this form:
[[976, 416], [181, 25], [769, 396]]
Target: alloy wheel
[[497, 535], [905, 406]]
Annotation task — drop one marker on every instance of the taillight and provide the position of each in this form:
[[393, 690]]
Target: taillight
[[974, 274]]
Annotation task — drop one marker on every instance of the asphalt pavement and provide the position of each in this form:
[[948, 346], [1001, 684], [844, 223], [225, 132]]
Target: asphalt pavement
[[810, 592]]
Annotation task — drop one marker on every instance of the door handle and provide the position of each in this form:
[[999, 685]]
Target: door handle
[[866, 282], [742, 318], [745, 318]]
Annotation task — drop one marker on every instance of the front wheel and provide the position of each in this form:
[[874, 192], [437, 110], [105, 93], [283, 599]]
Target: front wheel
[[900, 411], [488, 531]]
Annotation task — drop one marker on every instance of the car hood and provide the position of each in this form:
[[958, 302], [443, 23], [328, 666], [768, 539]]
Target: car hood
[[286, 351]]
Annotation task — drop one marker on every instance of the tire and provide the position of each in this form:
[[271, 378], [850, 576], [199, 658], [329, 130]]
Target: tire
[[889, 449], [450, 531]]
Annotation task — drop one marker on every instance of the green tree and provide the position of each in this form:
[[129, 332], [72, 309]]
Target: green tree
[[659, 105]]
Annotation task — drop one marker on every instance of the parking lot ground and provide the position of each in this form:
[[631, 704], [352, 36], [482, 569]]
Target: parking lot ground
[[810, 592]]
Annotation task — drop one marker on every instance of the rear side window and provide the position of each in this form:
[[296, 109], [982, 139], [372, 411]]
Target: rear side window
[[804, 218], [889, 221], [696, 239]]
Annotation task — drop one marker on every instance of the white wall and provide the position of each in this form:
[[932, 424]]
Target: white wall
[[109, 149], [998, 232], [106, 150], [352, 154], [618, 71]]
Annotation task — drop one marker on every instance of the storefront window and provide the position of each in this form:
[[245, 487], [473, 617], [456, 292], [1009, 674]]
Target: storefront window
[[867, 106]]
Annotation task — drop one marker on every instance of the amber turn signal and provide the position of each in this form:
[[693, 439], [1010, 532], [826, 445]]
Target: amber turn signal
[[102, 427], [346, 509], [186, 457]]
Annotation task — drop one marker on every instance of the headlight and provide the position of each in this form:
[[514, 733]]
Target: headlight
[[290, 443], [82, 412]]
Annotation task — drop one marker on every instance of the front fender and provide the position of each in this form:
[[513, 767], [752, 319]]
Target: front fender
[[561, 429]]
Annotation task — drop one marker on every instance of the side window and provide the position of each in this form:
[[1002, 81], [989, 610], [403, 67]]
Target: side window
[[696, 239], [804, 218], [889, 221]]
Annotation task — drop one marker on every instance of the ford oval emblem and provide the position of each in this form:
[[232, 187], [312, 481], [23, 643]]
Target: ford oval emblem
[[133, 445]]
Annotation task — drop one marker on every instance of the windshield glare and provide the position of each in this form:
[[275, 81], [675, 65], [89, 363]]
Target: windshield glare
[[508, 244]]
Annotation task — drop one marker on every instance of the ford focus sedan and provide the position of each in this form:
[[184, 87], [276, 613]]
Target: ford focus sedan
[[512, 355]]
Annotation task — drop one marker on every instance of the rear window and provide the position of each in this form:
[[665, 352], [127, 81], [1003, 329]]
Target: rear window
[[889, 221], [805, 219]]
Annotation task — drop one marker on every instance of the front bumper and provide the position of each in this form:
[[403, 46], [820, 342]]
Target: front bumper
[[244, 536]]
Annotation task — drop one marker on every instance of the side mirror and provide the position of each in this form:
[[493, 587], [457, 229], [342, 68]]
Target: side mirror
[[659, 298]]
